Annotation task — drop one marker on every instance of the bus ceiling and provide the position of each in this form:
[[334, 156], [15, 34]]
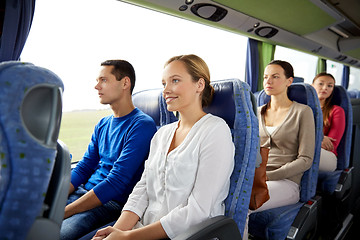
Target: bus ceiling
[[326, 28]]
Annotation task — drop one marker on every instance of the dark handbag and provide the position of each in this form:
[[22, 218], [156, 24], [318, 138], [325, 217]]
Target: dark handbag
[[259, 192]]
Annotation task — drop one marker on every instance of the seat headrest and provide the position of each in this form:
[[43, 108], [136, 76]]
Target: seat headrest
[[298, 80], [223, 104], [148, 102], [354, 93], [37, 93], [296, 92], [340, 96]]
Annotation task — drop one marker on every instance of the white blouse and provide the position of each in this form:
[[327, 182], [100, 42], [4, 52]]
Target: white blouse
[[188, 185]]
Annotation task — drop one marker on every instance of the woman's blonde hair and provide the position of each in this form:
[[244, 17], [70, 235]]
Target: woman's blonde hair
[[197, 68]]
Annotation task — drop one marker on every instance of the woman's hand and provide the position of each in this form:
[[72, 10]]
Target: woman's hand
[[111, 233], [327, 143]]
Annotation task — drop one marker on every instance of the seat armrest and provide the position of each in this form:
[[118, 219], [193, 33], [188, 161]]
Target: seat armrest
[[220, 227], [344, 184], [306, 220]]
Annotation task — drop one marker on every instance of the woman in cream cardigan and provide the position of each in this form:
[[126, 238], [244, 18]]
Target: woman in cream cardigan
[[287, 129]]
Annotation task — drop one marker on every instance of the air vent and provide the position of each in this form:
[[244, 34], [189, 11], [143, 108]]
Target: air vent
[[316, 50], [353, 62], [341, 57], [209, 11]]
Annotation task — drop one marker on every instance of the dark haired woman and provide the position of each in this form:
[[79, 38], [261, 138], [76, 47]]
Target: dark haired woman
[[287, 129], [334, 121]]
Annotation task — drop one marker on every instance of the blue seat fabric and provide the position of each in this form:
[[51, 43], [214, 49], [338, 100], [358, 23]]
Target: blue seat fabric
[[26, 162], [354, 93], [232, 102], [328, 180], [298, 80], [152, 103], [275, 223]]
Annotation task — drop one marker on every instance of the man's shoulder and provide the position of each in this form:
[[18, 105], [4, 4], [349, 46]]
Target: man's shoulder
[[143, 119], [141, 116], [104, 120]]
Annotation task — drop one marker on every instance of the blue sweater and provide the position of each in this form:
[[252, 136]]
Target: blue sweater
[[114, 160]]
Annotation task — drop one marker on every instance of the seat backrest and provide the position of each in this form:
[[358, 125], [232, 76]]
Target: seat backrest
[[355, 152], [298, 80], [342, 99], [30, 115], [234, 103], [354, 93], [152, 103], [304, 93]]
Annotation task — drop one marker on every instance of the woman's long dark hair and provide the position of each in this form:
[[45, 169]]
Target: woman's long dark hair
[[328, 105]]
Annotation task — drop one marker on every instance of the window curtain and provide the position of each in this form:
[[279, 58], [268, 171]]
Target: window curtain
[[258, 55], [266, 52], [345, 77], [17, 22], [321, 66], [252, 64]]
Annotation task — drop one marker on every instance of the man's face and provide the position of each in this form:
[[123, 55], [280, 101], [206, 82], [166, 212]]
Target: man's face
[[109, 89]]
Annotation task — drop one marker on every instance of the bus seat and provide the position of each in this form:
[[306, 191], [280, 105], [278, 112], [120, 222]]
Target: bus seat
[[152, 102], [300, 219], [233, 101], [30, 115], [354, 93], [335, 187], [328, 181], [298, 80], [355, 162]]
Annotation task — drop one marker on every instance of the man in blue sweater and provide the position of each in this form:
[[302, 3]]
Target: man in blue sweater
[[113, 163]]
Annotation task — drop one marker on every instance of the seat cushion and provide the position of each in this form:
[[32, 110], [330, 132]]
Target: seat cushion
[[327, 181], [273, 223]]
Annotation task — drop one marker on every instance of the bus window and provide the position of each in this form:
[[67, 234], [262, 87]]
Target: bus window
[[74, 48], [354, 81], [304, 64], [108, 29], [335, 69]]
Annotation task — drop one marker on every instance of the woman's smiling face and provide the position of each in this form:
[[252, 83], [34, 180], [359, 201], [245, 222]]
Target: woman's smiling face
[[180, 91]]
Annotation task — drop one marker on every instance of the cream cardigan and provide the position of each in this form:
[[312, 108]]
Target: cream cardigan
[[291, 144]]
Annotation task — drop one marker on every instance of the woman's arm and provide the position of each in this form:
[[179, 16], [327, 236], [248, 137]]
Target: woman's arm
[[337, 125], [126, 221], [150, 232], [327, 143]]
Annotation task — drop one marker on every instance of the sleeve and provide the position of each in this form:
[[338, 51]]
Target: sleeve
[[337, 125], [138, 199], [124, 174], [87, 165], [306, 149], [216, 162]]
